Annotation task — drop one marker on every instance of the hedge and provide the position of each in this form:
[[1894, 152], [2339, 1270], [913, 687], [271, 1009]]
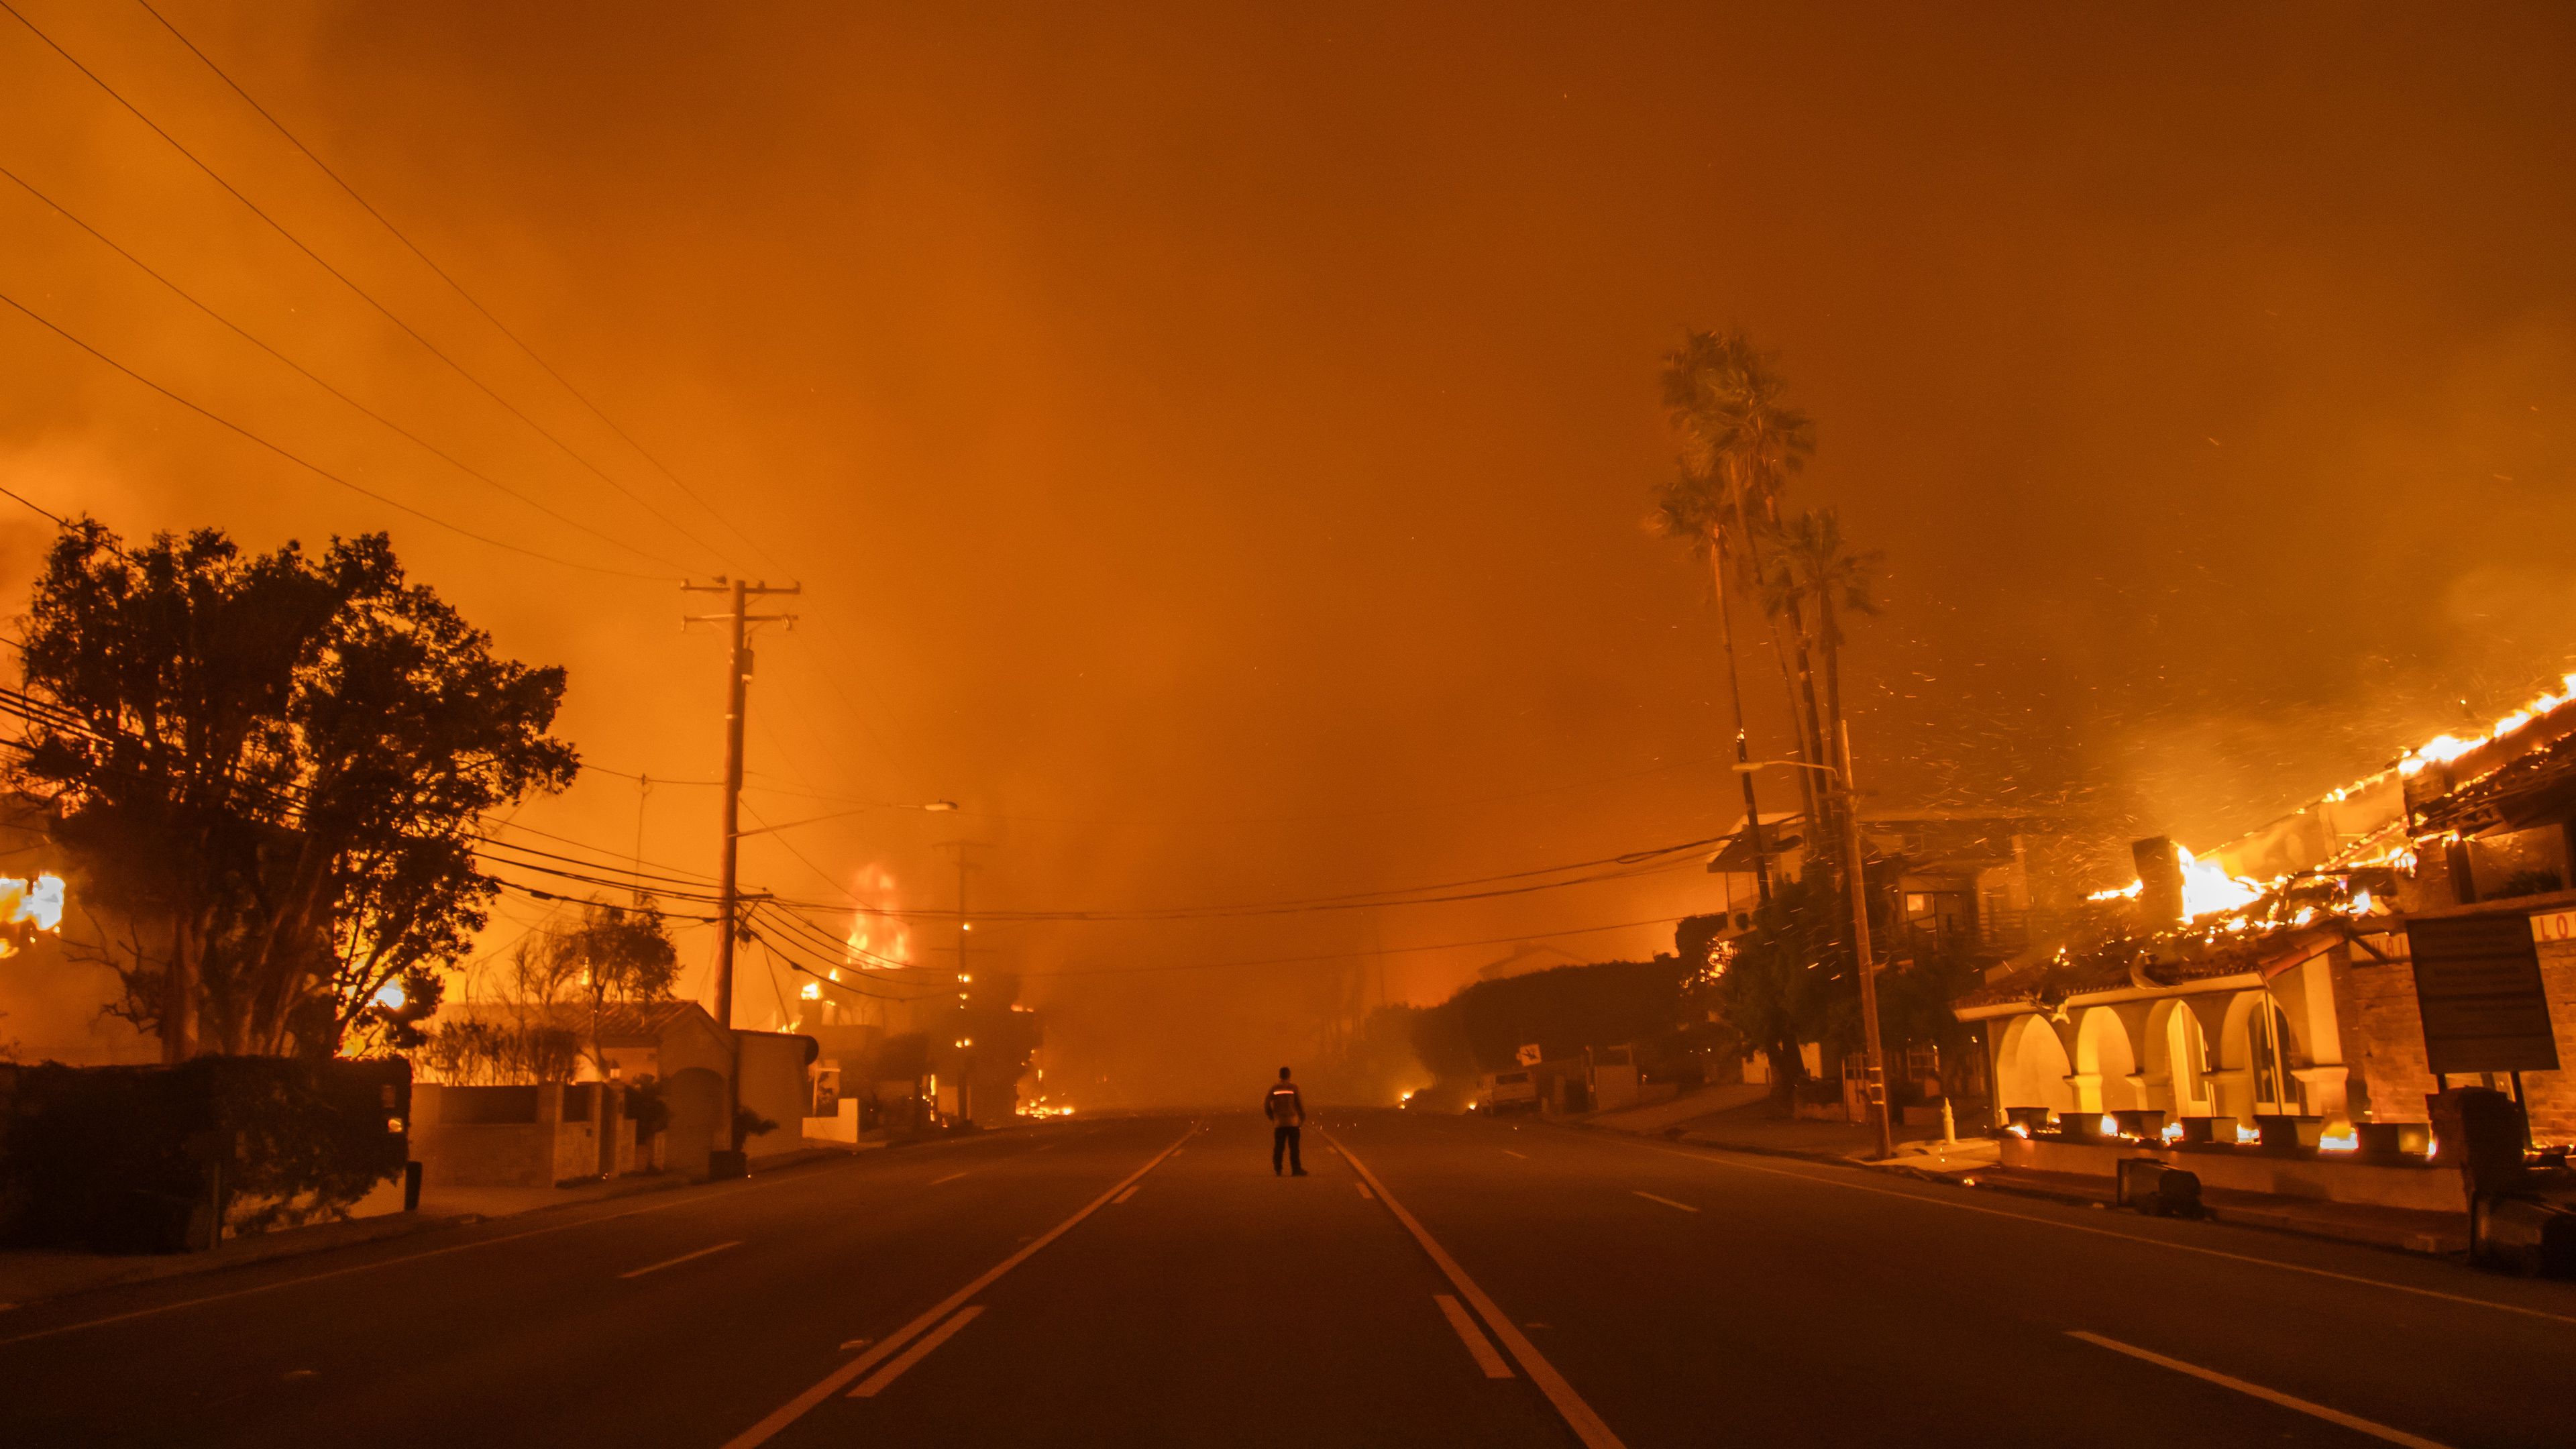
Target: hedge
[[130, 1159]]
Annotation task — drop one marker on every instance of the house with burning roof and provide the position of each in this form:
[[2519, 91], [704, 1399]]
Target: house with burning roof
[[2309, 983]]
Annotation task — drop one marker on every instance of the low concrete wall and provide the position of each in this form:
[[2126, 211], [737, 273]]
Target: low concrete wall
[[841, 1126], [2432, 1189], [504, 1136]]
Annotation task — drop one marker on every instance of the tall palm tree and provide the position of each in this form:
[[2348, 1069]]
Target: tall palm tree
[[1693, 507], [1812, 565], [1741, 443]]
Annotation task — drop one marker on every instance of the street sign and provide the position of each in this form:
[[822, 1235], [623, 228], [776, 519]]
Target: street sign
[[2477, 980], [1528, 1055]]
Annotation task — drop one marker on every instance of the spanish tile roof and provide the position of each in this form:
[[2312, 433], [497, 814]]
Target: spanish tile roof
[[2131, 964], [621, 1023], [2506, 796]]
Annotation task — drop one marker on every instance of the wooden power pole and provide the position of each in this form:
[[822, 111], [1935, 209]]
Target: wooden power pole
[[737, 620]]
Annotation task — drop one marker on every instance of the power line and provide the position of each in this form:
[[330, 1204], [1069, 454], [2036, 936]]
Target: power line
[[458, 288], [344, 279], [308, 375], [40, 508], [857, 713], [211, 416], [1631, 864], [1346, 955]]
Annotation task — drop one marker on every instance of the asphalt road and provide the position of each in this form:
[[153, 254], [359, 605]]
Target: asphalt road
[[1432, 1282]]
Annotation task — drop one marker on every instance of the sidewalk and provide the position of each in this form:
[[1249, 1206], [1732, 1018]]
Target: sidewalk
[[2406, 1230], [30, 1274], [1756, 1127]]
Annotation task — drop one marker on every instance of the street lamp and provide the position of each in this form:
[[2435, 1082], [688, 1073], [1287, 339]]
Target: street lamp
[[935, 807], [1875, 1062]]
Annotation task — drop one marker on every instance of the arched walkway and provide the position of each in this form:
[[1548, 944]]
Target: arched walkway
[[2033, 1068], [2105, 1065]]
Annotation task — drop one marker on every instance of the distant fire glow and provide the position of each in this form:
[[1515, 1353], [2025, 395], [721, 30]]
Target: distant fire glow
[[38, 905], [878, 941]]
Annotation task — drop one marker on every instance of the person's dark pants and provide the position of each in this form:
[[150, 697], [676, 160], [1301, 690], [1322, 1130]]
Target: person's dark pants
[[1283, 1143]]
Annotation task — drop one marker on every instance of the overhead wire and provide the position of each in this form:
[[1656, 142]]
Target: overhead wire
[[1357, 951], [310, 376], [307, 464], [453, 285], [345, 280], [857, 713]]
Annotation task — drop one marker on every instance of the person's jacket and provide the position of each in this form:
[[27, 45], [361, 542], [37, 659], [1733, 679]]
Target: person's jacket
[[1283, 1106]]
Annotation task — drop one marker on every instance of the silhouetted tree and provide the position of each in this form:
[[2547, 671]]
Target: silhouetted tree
[[275, 767]]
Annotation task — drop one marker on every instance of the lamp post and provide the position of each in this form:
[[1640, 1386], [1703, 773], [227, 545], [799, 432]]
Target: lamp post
[[1874, 1059]]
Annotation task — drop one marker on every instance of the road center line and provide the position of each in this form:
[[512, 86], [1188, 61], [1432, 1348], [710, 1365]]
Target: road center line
[[1479, 1347], [2332, 1416], [952, 1177], [675, 1262], [1668, 1202], [1122, 1197], [876, 1382], [796, 1408], [2038, 1221], [1578, 1415], [1523, 1156], [1363, 1187]]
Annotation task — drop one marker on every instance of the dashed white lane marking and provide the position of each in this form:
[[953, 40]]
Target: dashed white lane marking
[[2353, 1422], [1363, 1187], [1479, 1347], [1523, 1156], [877, 1381], [675, 1262], [797, 1407], [2037, 1221], [1668, 1202], [952, 1177], [1122, 1197], [694, 1199], [1578, 1415]]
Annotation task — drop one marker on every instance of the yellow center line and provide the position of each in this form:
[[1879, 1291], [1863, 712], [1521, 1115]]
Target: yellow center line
[[876, 1382], [796, 1408]]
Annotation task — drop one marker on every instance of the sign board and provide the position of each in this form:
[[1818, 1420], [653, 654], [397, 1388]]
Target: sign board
[[2553, 927], [1527, 1056], [2477, 980]]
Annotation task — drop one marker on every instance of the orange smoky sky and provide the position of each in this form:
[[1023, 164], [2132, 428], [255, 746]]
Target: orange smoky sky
[[1212, 440]]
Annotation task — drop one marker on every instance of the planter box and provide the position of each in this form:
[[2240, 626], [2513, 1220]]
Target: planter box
[[2330, 1177]]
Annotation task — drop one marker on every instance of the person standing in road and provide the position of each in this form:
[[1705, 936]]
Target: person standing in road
[[1287, 1112]]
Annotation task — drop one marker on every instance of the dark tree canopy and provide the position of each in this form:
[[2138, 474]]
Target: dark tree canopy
[[271, 770]]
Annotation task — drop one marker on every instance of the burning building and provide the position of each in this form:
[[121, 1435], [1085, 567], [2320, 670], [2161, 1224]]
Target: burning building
[[2309, 983]]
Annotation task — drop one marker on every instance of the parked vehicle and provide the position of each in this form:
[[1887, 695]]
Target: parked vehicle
[[1511, 1091]]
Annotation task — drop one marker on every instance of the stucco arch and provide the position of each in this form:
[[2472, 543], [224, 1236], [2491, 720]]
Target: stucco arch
[[2177, 1061], [2106, 1065], [2253, 1082], [2032, 1068]]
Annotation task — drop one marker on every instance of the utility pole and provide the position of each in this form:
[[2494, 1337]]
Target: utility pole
[[737, 620], [965, 978], [1876, 1064]]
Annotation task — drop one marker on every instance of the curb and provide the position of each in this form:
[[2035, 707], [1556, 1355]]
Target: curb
[[259, 1248], [326, 1237], [2284, 1222]]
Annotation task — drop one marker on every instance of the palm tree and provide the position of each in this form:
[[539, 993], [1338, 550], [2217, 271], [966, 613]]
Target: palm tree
[[1693, 508], [1813, 566], [1741, 441]]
